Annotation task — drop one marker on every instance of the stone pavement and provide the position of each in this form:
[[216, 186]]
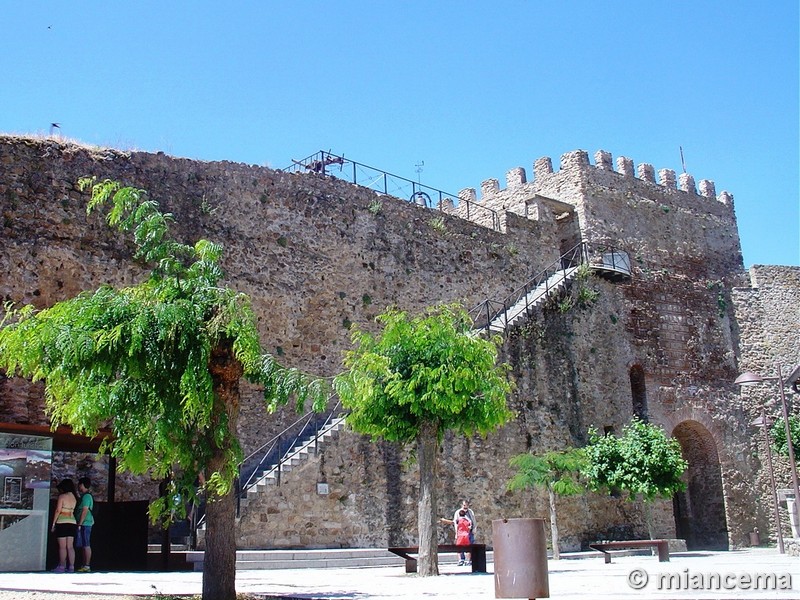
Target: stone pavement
[[734, 574]]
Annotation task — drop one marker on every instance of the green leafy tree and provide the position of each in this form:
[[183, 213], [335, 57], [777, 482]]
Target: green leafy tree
[[643, 462], [778, 432], [418, 378], [159, 364], [556, 471]]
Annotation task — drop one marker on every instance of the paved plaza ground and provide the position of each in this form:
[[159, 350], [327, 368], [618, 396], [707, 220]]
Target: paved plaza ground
[[734, 574]]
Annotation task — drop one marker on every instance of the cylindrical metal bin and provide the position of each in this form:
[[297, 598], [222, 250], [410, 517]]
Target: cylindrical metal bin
[[520, 559], [755, 538]]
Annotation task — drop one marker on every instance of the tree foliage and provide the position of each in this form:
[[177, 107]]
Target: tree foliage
[[557, 471], [643, 461], [418, 378], [157, 362], [778, 432], [427, 368]]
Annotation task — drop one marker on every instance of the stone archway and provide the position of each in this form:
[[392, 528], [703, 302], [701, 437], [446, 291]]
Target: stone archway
[[638, 392], [700, 510]]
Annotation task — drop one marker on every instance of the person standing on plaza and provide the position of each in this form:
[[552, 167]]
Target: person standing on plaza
[[463, 533], [471, 516], [84, 516], [474, 528], [64, 525]]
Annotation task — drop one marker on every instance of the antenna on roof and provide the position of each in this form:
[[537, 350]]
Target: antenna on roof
[[419, 166], [683, 164], [54, 126]]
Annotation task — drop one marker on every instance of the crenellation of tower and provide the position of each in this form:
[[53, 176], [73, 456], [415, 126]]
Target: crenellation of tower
[[602, 159], [625, 167], [490, 187], [666, 178], [647, 172], [686, 183], [515, 177], [542, 167], [669, 219], [707, 189], [578, 161]]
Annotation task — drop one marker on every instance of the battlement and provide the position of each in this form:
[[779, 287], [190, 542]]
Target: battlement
[[577, 162]]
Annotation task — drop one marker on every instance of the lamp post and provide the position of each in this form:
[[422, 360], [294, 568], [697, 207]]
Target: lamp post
[[765, 422], [750, 378]]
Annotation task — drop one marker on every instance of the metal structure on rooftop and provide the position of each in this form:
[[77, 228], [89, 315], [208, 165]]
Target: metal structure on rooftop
[[333, 165]]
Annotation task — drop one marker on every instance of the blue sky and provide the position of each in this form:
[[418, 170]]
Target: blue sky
[[470, 88]]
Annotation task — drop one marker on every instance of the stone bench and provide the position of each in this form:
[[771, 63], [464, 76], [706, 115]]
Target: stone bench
[[661, 545], [478, 552]]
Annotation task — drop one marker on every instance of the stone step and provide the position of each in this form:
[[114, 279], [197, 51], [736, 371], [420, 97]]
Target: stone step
[[327, 558], [297, 455], [532, 299]]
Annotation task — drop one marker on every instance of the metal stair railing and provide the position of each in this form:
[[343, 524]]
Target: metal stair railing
[[610, 259], [485, 313], [282, 446], [326, 163], [278, 445]]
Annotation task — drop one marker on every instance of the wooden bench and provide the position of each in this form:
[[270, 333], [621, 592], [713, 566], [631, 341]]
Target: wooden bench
[[478, 552], [662, 545]]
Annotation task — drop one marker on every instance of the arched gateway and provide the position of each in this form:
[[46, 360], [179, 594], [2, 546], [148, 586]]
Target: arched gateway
[[700, 510]]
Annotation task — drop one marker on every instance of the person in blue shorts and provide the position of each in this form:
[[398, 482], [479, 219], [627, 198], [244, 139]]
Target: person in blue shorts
[[85, 519]]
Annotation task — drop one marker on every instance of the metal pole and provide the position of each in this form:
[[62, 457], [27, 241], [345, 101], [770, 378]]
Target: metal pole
[[792, 463], [765, 425], [280, 460]]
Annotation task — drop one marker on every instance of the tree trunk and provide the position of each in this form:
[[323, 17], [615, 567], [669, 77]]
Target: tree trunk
[[427, 444], [219, 562], [648, 518], [553, 524]]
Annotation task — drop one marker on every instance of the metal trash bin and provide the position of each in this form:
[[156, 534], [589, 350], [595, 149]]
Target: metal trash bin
[[755, 538], [520, 559]]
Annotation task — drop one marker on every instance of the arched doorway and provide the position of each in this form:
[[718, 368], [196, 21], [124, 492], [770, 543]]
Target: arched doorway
[[638, 392], [700, 510]]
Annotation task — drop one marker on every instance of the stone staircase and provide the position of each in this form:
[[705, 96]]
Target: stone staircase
[[531, 300], [498, 315], [325, 558], [298, 454]]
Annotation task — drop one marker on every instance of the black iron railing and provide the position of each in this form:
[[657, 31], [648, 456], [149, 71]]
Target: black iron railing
[[326, 163], [274, 453], [603, 258]]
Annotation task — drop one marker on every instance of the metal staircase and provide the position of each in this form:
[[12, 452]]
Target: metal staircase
[[498, 315], [303, 447], [303, 438]]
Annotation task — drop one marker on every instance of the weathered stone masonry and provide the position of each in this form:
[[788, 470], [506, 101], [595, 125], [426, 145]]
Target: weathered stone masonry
[[317, 254]]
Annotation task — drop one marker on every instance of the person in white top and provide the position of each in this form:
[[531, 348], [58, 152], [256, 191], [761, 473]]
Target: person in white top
[[465, 560]]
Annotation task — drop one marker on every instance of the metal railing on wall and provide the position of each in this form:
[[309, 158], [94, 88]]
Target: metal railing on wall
[[275, 452], [326, 163], [604, 258]]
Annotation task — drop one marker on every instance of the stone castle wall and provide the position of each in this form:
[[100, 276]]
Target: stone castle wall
[[768, 320], [316, 254]]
